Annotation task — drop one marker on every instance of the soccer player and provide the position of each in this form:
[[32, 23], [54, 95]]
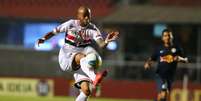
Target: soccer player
[[167, 55], [76, 53]]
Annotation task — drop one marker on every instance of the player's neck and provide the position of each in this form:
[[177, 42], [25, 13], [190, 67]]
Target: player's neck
[[166, 44], [83, 26]]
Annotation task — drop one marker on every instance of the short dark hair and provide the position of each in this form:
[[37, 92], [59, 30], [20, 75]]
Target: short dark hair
[[166, 30]]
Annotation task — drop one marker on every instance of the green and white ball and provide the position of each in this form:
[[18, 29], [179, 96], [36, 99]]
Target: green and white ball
[[94, 60]]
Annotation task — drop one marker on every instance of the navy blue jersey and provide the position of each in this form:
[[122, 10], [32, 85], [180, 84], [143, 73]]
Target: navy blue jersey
[[166, 66]]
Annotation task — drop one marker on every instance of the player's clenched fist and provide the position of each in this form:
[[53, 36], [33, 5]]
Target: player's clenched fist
[[40, 41]]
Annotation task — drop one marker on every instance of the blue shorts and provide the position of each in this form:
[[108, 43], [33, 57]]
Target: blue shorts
[[163, 84]]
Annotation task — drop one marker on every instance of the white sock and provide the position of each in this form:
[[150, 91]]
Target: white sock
[[86, 69], [81, 97]]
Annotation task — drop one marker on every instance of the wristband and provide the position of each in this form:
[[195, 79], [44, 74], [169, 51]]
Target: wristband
[[43, 38]]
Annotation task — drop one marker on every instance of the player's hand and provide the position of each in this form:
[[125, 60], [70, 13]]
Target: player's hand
[[180, 59], [112, 36], [40, 41], [147, 65]]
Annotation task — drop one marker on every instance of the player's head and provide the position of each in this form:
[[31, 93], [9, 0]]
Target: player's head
[[167, 36], [84, 15]]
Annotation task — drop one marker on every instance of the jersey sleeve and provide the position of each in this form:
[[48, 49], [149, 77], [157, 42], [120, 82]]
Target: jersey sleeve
[[63, 27], [95, 34]]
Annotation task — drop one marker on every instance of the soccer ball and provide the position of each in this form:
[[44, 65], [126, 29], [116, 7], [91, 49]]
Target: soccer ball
[[94, 60]]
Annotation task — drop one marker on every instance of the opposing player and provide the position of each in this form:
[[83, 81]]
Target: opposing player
[[167, 55], [77, 55]]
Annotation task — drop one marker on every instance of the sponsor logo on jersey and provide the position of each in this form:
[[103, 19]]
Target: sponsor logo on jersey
[[167, 58]]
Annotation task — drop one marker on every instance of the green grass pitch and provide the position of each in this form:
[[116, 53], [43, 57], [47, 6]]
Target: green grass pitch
[[21, 98]]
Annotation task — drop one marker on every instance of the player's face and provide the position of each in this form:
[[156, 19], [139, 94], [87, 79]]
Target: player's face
[[166, 37], [84, 20]]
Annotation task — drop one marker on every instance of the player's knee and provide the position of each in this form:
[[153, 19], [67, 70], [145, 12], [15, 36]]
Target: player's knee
[[78, 57], [163, 94], [86, 91], [85, 87]]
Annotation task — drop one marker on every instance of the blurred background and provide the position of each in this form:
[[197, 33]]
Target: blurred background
[[140, 22]]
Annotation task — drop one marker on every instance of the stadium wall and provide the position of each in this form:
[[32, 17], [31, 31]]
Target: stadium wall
[[109, 88], [51, 9]]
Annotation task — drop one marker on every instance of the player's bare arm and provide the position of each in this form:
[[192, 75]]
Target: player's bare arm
[[46, 37], [110, 37]]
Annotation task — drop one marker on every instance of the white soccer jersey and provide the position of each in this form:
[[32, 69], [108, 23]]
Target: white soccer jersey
[[77, 40], [77, 35]]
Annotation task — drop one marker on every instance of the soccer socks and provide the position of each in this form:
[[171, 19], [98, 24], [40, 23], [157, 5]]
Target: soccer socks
[[87, 69], [81, 97], [163, 99]]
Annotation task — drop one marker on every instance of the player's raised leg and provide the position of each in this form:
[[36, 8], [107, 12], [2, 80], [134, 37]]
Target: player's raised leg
[[88, 63]]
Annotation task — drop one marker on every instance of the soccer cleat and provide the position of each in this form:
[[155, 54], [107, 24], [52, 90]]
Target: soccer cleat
[[99, 77]]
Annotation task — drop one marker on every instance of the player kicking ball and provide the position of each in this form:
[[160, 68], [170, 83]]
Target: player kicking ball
[[77, 55]]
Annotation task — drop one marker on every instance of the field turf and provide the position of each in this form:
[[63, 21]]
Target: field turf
[[21, 98]]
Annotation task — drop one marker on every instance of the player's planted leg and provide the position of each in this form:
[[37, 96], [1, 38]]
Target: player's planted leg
[[81, 97], [85, 91]]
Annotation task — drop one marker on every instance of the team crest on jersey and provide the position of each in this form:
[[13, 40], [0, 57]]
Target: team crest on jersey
[[161, 51], [173, 50]]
